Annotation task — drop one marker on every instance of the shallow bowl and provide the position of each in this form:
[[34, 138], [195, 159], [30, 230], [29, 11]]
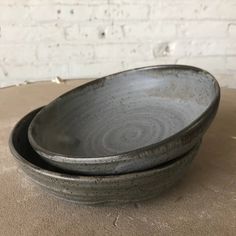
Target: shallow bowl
[[128, 121], [94, 189]]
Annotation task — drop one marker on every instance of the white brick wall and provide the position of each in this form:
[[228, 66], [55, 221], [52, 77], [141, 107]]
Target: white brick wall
[[42, 39]]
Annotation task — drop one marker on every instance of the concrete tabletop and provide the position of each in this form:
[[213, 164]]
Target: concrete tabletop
[[202, 203]]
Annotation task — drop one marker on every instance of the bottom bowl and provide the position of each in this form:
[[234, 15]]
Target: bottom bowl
[[90, 190]]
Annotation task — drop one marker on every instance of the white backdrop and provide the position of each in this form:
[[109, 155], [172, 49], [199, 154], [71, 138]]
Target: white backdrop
[[42, 39]]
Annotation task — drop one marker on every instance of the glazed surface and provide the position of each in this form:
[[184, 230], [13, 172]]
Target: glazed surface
[[123, 112]]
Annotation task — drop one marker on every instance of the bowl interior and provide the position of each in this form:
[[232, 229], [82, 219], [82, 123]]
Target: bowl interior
[[122, 112]]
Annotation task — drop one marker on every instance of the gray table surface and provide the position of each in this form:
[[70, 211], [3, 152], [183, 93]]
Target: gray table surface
[[202, 203]]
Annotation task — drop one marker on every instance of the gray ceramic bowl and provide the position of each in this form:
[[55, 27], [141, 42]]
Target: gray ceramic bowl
[[127, 122], [94, 189]]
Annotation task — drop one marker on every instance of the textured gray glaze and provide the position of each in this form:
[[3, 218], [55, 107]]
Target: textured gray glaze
[[94, 189], [127, 121]]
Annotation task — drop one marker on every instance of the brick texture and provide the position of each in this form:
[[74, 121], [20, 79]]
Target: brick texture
[[42, 39]]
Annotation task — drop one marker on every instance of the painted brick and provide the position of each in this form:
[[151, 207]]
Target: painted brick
[[17, 54], [58, 53], [202, 47], [99, 32], [61, 13], [202, 29], [94, 70], [231, 63], [124, 51], [120, 32], [14, 14], [121, 12], [201, 9], [232, 30], [150, 30], [31, 34], [42, 39]]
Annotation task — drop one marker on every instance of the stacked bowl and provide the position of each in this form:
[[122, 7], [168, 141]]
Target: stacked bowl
[[125, 137]]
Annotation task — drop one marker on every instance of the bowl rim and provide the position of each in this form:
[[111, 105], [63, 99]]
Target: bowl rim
[[124, 156], [59, 174]]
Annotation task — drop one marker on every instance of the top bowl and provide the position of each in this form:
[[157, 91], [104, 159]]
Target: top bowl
[[128, 121]]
